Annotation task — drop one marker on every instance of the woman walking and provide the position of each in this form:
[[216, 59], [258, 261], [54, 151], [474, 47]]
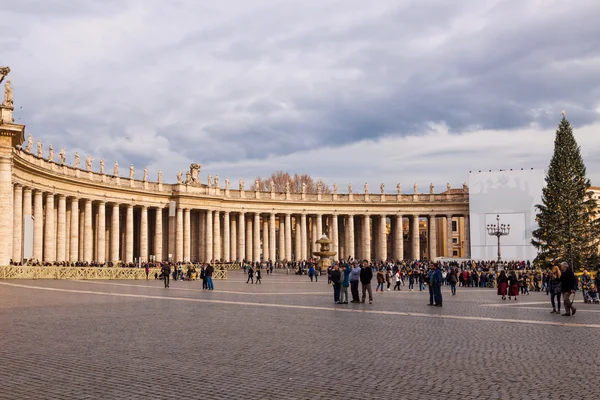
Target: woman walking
[[452, 279], [502, 285], [554, 288], [380, 280], [513, 285]]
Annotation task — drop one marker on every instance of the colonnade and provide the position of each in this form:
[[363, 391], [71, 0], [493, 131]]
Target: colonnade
[[73, 229]]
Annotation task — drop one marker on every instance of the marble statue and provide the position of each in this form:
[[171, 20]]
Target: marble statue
[[335, 188], [179, 177], [465, 186], [209, 178], [350, 188], [195, 172], [431, 188], [448, 187], [399, 188], [287, 187], [40, 152], [159, 176], [77, 161], [102, 166], [366, 188], [319, 187], [257, 185], [145, 174], [131, 171], [63, 156], [226, 183], [272, 184], [241, 185], [50, 153], [88, 163], [29, 143], [3, 72], [416, 189], [217, 180], [116, 169], [382, 188], [8, 95], [303, 187]]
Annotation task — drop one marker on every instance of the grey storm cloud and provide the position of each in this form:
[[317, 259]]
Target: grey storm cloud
[[236, 81]]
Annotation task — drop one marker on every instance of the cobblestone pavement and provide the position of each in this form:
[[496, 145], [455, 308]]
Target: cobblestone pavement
[[285, 339]]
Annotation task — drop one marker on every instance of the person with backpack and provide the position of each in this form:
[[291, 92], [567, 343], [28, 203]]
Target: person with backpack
[[258, 276], [250, 274]]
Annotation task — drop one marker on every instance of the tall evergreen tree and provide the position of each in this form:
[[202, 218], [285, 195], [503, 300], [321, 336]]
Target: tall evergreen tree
[[568, 228]]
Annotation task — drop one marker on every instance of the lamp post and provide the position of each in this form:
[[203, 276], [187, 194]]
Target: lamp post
[[498, 230]]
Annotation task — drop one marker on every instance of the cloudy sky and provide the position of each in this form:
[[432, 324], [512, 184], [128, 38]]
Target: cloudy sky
[[346, 90]]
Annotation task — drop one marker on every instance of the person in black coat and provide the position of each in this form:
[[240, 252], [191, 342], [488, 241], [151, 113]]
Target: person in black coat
[[335, 276], [568, 283], [366, 274], [166, 273]]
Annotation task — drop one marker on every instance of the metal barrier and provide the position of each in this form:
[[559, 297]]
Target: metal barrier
[[85, 273]]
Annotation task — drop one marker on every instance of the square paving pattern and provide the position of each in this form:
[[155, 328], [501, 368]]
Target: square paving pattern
[[285, 339]]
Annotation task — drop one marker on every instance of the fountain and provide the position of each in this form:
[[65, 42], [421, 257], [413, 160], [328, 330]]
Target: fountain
[[324, 253]]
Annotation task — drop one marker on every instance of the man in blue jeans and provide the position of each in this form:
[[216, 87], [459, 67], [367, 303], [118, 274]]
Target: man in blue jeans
[[209, 273], [435, 281]]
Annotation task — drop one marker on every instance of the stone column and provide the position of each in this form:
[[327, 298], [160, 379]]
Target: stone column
[[449, 244], [249, 246], [144, 234], [288, 237], [319, 220], [101, 229], [297, 239], [256, 239], [17, 223], [382, 237], [350, 238], [178, 235], [49, 230], [467, 236], [61, 233], [265, 235], [272, 248], [38, 225], [187, 235], [74, 231], [335, 236], [129, 234], [432, 238], [88, 242], [217, 255], [242, 235], [313, 236], [398, 238], [233, 243], [114, 233], [209, 236], [416, 246], [366, 239], [303, 238], [281, 245], [158, 235], [226, 237], [7, 197]]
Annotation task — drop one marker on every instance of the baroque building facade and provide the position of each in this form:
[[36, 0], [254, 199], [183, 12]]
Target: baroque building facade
[[54, 212]]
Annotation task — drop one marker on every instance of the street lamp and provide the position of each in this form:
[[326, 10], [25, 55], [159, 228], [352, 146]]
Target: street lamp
[[498, 230]]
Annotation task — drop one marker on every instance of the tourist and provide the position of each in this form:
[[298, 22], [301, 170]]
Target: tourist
[[203, 277], [166, 273], [502, 285], [397, 281], [311, 272], [147, 270], [366, 274], [388, 278], [568, 283], [335, 279], [258, 275], [435, 282], [430, 286], [345, 283], [380, 280], [513, 285], [209, 273], [354, 278], [250, 274], [452, 279], [554, 289], [411, 280]]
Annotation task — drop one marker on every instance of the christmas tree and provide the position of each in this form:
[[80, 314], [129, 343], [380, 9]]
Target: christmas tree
[[568, 226]]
